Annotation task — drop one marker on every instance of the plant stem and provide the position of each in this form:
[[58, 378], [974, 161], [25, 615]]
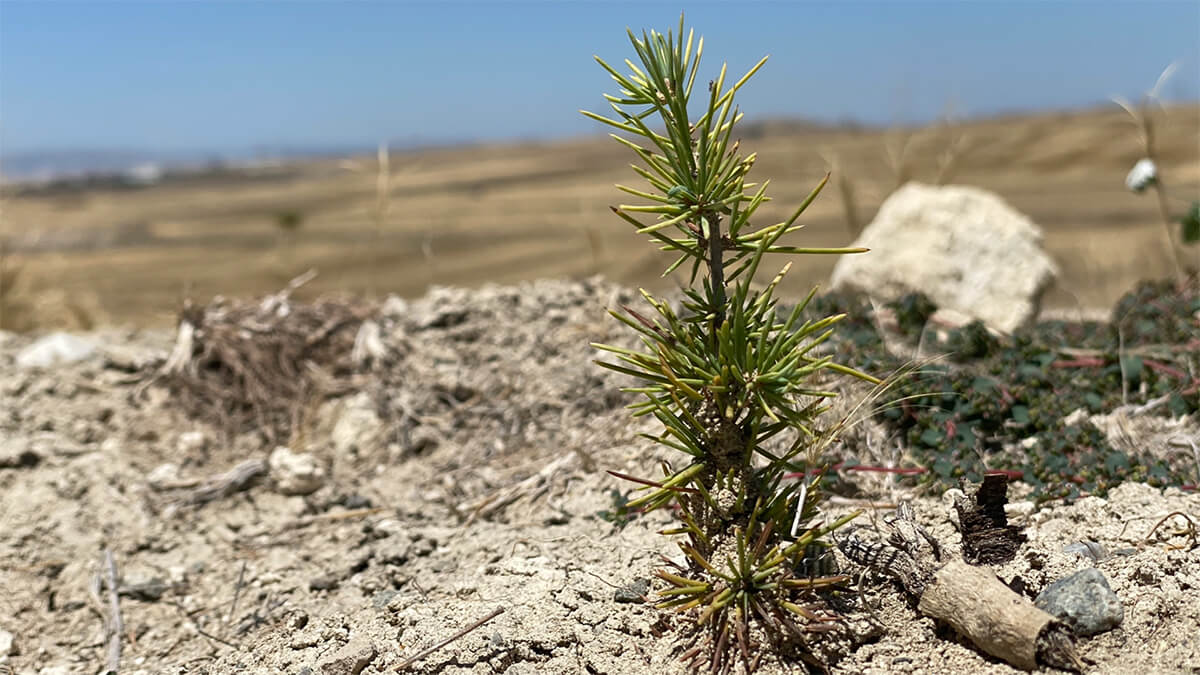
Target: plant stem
[[716, 269], [1161, 190]]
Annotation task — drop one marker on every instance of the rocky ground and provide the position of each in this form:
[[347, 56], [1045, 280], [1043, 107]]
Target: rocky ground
[[460, 470]]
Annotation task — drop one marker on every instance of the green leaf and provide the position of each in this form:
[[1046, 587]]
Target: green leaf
[[1020, 414], [1190, 225]]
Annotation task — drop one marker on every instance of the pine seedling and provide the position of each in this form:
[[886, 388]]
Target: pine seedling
[[737, 383]]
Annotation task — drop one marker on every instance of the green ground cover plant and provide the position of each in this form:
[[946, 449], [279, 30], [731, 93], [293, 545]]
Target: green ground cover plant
[[1005, 402], [739, 387]]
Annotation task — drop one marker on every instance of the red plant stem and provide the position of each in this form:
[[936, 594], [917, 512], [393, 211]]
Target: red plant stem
[[1094, 362], [1164, 368]]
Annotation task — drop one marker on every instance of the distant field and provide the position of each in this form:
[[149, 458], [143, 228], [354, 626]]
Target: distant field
[[503, 213]]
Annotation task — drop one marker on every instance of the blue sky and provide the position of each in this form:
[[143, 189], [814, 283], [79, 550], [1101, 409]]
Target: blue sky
[[228, 76]]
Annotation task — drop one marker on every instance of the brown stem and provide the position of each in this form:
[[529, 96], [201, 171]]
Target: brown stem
[[716, 269]]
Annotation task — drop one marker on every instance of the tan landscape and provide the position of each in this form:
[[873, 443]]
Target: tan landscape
[[434, 480], [510, 212]]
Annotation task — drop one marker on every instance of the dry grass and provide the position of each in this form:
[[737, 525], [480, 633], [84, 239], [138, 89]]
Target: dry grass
[[511, 212]]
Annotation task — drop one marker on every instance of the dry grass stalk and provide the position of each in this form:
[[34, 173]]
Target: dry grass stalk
[[9, 271], [246, 365], [845, 188], [114, 627], [1142, 115]]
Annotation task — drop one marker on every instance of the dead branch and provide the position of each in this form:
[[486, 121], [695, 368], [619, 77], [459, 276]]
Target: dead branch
[[222, 485], [531, 488], [300, 523], [969, 598], [237, 593], [495, 613], [115, 626]]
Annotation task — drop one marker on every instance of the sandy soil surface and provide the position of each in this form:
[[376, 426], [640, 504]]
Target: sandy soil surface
[[511, 212], [463, 474]]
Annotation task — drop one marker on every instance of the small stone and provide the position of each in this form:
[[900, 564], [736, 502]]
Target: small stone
[[55, 349], [381, 599], [142, 586], [423, 546], [393, 551], [191, 442], [1022, 509], [7, 644], [128, 359], [634, 592], [350, 660], [295, 473], [178, 575], [358, 427], [1084, 601], [394, 307], [420, 441], [1093, 550], [325, 582], [163, 476], [298, 620], [17, 453], [355, 501]]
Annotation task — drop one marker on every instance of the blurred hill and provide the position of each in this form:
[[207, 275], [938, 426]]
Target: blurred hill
[[132, 249]]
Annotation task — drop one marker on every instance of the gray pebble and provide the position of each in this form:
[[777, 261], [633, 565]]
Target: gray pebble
[[142, 585], [18, 453], [1084, 602], [381, 599], [324, 582], [350, 664], [634, 592]]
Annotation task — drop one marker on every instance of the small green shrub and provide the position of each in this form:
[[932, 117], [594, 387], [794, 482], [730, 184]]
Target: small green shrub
[[1005, 401], [736, 384]]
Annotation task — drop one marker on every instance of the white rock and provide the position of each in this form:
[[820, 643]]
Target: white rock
[[394, 307], [295, 473], [358, 427], [6, 644], [163, 476], [55, 349], [963, 247], [191, 442], [18, 452]]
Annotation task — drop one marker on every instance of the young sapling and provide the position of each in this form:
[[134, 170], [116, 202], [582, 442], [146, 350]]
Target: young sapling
[[738, 384]]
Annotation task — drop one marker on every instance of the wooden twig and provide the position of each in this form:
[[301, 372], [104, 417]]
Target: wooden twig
[[969, 598], [1191, 530], [495, 613], [341, 515], [196, 626], [531, 486], [237, 592], [115, 626], [236, 479]]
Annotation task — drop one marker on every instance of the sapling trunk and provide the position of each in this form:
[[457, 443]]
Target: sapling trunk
[[716, 270]]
